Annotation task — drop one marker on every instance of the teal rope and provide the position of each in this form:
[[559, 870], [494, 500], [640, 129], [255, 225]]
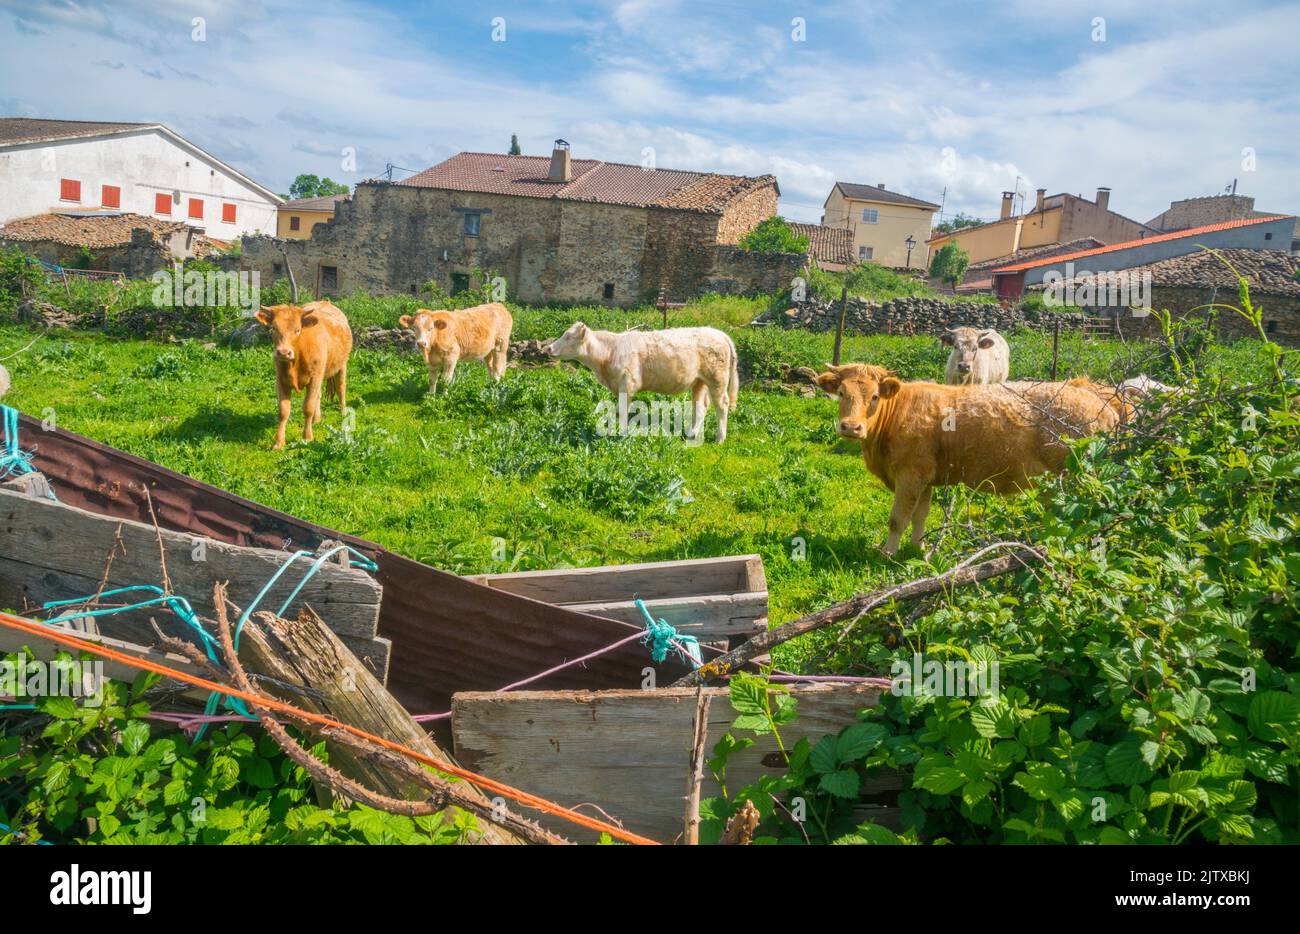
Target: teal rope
[[661, 637], [8, 829], [14, 461]]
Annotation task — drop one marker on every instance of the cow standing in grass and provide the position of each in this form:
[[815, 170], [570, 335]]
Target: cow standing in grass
[[312, 346], [702, 360], [979, 356], [917, 436], [445, 337]]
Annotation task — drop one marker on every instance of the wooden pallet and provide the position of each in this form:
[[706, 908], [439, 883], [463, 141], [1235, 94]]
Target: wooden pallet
[[713, 599]]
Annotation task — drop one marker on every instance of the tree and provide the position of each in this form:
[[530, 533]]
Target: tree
[[957, 223], [949, 264], [774, 235], [311, 186], [514, 146]]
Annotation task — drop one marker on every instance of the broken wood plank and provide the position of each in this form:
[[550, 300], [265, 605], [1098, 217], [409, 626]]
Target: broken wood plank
[[48, 550], [629, 751], [305, 652], [618, 583], [713, 617]]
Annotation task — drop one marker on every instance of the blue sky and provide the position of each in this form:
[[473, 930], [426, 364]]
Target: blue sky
[[922, 96]]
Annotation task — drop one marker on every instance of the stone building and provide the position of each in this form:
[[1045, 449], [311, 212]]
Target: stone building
[[556, 229], [1186, 285], [131, 244]]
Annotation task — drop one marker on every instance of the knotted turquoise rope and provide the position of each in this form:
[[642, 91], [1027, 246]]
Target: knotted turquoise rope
[[14, 461], [661, 637]]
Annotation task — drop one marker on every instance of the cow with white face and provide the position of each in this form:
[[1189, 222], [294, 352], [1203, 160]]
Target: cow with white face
[[979, 356]]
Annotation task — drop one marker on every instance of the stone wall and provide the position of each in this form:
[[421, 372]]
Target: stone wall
[[745, 213], [394, 238], [914, 316], [1281, 314], [740, 272]]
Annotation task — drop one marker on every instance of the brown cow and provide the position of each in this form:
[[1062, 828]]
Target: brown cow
[[312, 345], [916, 436], [479, 333]]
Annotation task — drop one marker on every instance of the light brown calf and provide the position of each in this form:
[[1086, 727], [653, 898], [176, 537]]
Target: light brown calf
[[917, 436], [479, 333], [312, 345]]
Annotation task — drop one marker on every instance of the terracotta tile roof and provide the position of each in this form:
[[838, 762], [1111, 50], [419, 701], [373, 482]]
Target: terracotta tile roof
[[325, 203], [26, 130], [1036, 252], [1269, 272], [828, 244], [1129, 244], [594, 181], [882, 195], [90, 230]]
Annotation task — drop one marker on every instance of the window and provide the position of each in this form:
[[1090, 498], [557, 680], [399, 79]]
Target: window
[[110, 196], [329, 278], [162, 203], [227, 214], [1270, 327], [277, 269], [69, 189], [870, 216], [865, 252], [471, 223], [196, 208], [295, 222], [1268, 236], [609, 291], [459, 282]]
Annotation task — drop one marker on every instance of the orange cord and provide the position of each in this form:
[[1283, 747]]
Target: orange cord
[[486, 784]]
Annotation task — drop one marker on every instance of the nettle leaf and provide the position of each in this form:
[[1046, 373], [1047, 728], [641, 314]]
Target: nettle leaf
[[1126, 764], [746, 694], [825, 758], [993, 720], [1268, 764], [134, 736], [1191, 706], [940, 781], [869, 834], [1036, 731], [61, 708], [1040, 780], [859, 739], [754, 722], [843, 783], [1273, 714], [975, 792]]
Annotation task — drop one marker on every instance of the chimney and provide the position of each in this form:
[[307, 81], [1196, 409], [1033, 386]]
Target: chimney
[[1038, 205], [1008, 201], [1103, 198], [881, 186], [561, 168]]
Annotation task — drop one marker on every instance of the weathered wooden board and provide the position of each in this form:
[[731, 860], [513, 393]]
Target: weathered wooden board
[[629, 751], [52, 551], [711, 598]]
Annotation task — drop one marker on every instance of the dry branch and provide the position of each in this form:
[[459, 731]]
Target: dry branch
[[855, 607]]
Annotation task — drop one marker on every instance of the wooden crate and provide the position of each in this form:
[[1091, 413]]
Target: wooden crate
[[713, 599]]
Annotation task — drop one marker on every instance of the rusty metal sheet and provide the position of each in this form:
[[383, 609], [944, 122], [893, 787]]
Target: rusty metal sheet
[[449, 634]]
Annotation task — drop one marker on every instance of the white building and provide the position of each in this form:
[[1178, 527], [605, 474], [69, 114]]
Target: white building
[[141, 168]]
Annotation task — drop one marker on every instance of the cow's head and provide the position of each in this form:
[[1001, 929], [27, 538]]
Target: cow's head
[[966, 343], [433, 331], [286, 323], [860, 387], [570, 344]]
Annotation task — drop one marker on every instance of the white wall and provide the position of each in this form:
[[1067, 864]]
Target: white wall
[[141, 163]]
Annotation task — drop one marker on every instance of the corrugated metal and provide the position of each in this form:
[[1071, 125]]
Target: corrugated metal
[[448, 633]]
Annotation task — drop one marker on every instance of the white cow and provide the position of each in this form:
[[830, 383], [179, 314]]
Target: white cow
[[1142, 386], [4, 380], [702, 360], [979, 356]]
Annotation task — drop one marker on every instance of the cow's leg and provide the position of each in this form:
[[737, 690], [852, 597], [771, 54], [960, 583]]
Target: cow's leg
[[718, 394], [700, 396], [919, 515], [449, 370], [497, 362], [341, 389], [311, 407], [286, 403], [433, 376], [906, 498]]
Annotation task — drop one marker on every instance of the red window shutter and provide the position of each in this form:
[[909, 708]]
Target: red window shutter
[[112, 197], [294, 220], [69, 189], [162, 203], [196, 208], [228, 213]]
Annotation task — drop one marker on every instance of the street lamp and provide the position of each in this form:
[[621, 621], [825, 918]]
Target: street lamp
[[911, 242]]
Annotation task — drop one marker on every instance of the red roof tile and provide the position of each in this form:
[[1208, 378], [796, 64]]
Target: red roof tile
[[1129, 244]]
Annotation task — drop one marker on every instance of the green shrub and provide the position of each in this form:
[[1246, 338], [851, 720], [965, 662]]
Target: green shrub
[[774, 235]]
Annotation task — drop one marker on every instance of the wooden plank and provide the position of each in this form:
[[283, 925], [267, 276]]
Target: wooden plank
[[629, 751], [717, 616], [74, 544], [618, 583], [306, 653]]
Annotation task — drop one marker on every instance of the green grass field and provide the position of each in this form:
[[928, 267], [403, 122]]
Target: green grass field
[[513, 476]]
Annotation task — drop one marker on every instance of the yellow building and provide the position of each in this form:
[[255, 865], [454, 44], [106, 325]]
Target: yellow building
[[297, 218], [888, 228], [1059, 219]]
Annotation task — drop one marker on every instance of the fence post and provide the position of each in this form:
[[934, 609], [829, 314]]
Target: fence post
[[839, 327], [1056, 347]]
